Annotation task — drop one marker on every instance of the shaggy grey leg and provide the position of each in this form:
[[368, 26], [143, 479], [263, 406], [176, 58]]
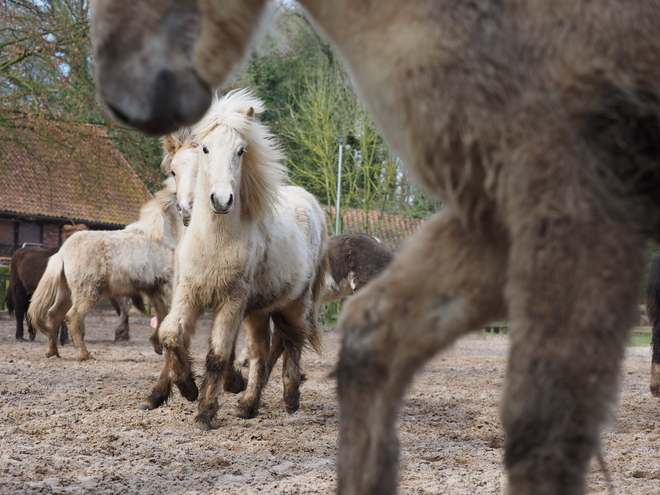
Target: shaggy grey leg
[[220, 362], [174, 332], [258, 331], [446, 281], [122, 329], [159, 304], [572, 286]]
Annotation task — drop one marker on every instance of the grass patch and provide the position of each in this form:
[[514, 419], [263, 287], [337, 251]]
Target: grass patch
[[639, 340]]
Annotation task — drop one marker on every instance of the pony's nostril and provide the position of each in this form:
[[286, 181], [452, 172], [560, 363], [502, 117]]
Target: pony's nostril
[[178, 207], [231, 200], [212, 198]]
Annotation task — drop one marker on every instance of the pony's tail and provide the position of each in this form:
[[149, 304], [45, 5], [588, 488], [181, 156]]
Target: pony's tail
[[138, 303], [9, 301], [46, 292]]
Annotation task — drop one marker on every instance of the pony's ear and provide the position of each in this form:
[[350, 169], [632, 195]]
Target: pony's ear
[[250, 112], [171, 144]]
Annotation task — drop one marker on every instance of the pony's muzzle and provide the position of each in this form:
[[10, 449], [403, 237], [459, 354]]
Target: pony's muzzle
[[221, 207]]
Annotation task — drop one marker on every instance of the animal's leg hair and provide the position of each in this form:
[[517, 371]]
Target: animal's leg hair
[[572, 289], [446, 281], [220, 361], [159, 304], [174, 334], [75, 318], [655, 361], [291, 329], [258, 332], [121, 330], [55, 318]]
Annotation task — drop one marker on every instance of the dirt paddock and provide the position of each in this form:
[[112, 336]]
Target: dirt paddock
[[69, 427]]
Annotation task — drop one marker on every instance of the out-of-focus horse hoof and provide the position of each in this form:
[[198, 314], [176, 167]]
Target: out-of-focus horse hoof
[[189, 390], [122, 337], [32, 336], [158, 349], [245, 411], [292, 410], [235, 384], [202, 425], [52, 353], [84, 357], [146, 407]]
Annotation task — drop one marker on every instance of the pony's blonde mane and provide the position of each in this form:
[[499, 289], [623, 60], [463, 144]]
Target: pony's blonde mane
[[263, 173], [156, 216], [184, 137]]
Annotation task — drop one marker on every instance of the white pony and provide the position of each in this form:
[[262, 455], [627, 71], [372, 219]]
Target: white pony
[[254, 250], [92, 264]]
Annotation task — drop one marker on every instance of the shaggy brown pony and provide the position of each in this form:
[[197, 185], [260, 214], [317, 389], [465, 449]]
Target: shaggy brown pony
[[536, 121]]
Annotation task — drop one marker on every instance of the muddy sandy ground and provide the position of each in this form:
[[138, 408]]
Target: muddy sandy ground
[[69, 427]]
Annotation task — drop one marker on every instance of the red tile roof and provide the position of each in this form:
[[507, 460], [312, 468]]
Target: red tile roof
[[390, 228], [67, 171]]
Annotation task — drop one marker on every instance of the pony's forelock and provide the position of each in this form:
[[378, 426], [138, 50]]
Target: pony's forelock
[[263, 171], [184, 136]]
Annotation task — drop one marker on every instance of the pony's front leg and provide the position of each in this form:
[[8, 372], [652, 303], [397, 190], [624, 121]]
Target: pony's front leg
[[446, 281], [258, 331], [220, 361], [572, 286], [174, 334]]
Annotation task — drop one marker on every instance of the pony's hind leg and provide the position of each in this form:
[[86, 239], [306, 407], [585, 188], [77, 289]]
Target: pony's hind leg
[[258, 332], [75, 319], [54, 319], [446, 281], [160, 306], [572, 288], [290, 334], [220, 362], [122, 332]]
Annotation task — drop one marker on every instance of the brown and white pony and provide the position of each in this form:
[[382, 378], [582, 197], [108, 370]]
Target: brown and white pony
[[536, 121], [136, 260], [254, 249]]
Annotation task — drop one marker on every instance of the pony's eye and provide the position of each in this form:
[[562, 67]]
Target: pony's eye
[[173, 174], [241, 150], [205, 149]]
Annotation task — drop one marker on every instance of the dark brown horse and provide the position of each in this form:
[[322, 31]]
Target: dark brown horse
[[26, 267], [653, 310]]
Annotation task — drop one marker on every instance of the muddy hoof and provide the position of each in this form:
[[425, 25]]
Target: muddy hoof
[[84, 357], [188, 390], [245, 411], [292, 402], [158, 349], [51, 354], [146, 407], [235, 384], [32, 335], [202, 425], [292, 410], [655, 390], [122, 338]]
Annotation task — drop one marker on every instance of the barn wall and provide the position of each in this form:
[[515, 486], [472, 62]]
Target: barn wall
[[51, 235]]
